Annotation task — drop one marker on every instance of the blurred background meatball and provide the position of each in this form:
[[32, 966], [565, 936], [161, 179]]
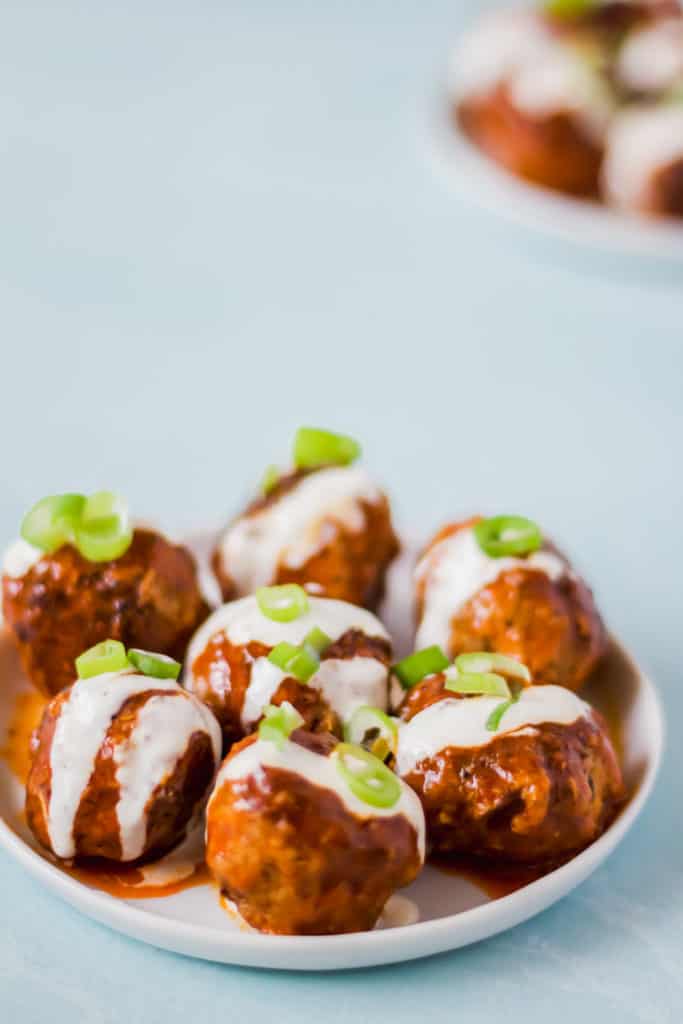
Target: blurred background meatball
[[531, 606], [121, 767], [294, 847], [529, 781], [229, 663], [58, 604], [325, 525]]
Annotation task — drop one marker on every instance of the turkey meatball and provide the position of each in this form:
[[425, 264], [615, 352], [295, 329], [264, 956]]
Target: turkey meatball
[[296, 850], [58, 604], [122, 764], [328, 529], [532, 607], [536, 787], [228, 665]]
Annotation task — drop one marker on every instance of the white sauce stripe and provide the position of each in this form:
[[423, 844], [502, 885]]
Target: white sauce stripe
[[642, 141], [651, 59], [320, 771], [544, 75], [456, 569], [290, 530], [81, 728], [462, 723], [19, 558], [346, 683]]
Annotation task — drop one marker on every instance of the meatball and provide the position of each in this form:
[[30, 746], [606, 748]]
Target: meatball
[[528, 99], [540, 787], [121, 767], [296, 850], [328, 529], [643, 170], [533, 607], [57, 605], [228, 666]]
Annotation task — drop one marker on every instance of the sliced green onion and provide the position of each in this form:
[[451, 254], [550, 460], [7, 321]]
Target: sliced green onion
[[371, 729], [485, 661], [269, 479], [160, 666], [416, 666], [278, 723], [282, 654], [108, 656], [317, 640], [367, 777], [478, 682], [314, 448], [284, 603], [104, 532], [300, 662], [494, 719], [51, 522], [569, 9], [507, 535]]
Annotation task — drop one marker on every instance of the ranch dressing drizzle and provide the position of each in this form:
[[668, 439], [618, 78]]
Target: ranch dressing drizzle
[[19, 558], [320, 771], [346, 683], [455, 570], [462, 722], [289, 531], [544, 74], [642, 141], [82, 725], [651, 59]]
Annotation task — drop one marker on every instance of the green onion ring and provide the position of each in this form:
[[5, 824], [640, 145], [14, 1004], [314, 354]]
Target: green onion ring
[[568, 10], [494, 719], [507, 535], [373, 730], [367, 777], [283, 603], [478, 682], [269, 479], [51, 522], [422, 663], [317, 640], [159, 666], [489, 661], [278, 723], [108, 656], [300, 662], [313, 448]]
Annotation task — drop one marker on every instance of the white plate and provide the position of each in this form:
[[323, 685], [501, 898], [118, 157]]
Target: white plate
[[452, 911], [482, 182]]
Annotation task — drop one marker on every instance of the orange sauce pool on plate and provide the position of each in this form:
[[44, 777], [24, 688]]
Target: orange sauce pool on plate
[[128, 883], [495, 880]]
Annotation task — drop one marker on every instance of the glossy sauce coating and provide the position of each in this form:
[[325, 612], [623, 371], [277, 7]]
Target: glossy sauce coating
[[64, 604], [295, 860]]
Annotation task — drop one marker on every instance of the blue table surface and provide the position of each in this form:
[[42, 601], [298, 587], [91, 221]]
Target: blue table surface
[[218, 221]]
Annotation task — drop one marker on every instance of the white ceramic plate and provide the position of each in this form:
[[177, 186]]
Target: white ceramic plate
[[481, 182], [451, 911]]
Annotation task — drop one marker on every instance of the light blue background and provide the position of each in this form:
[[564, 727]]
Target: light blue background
[[219, 220]]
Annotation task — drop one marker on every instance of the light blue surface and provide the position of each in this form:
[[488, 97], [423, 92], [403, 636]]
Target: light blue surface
[[218, 220]]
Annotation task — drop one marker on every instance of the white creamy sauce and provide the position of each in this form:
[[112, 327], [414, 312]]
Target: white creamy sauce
[[160, 737], [462, 722], [19, 558], [346, 683], [543, 73], [456, 569], [320, 771], [651, 59], [296, 526], [642, 141]]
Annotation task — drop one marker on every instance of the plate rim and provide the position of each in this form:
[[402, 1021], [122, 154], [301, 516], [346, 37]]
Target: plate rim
[[424, 938]]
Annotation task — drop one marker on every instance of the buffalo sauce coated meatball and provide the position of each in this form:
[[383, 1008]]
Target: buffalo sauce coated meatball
[[122, 764], [538, 786], [532, 100], [296, 850], [533, 607], [228, 665], [328, 529], [58, 604]]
